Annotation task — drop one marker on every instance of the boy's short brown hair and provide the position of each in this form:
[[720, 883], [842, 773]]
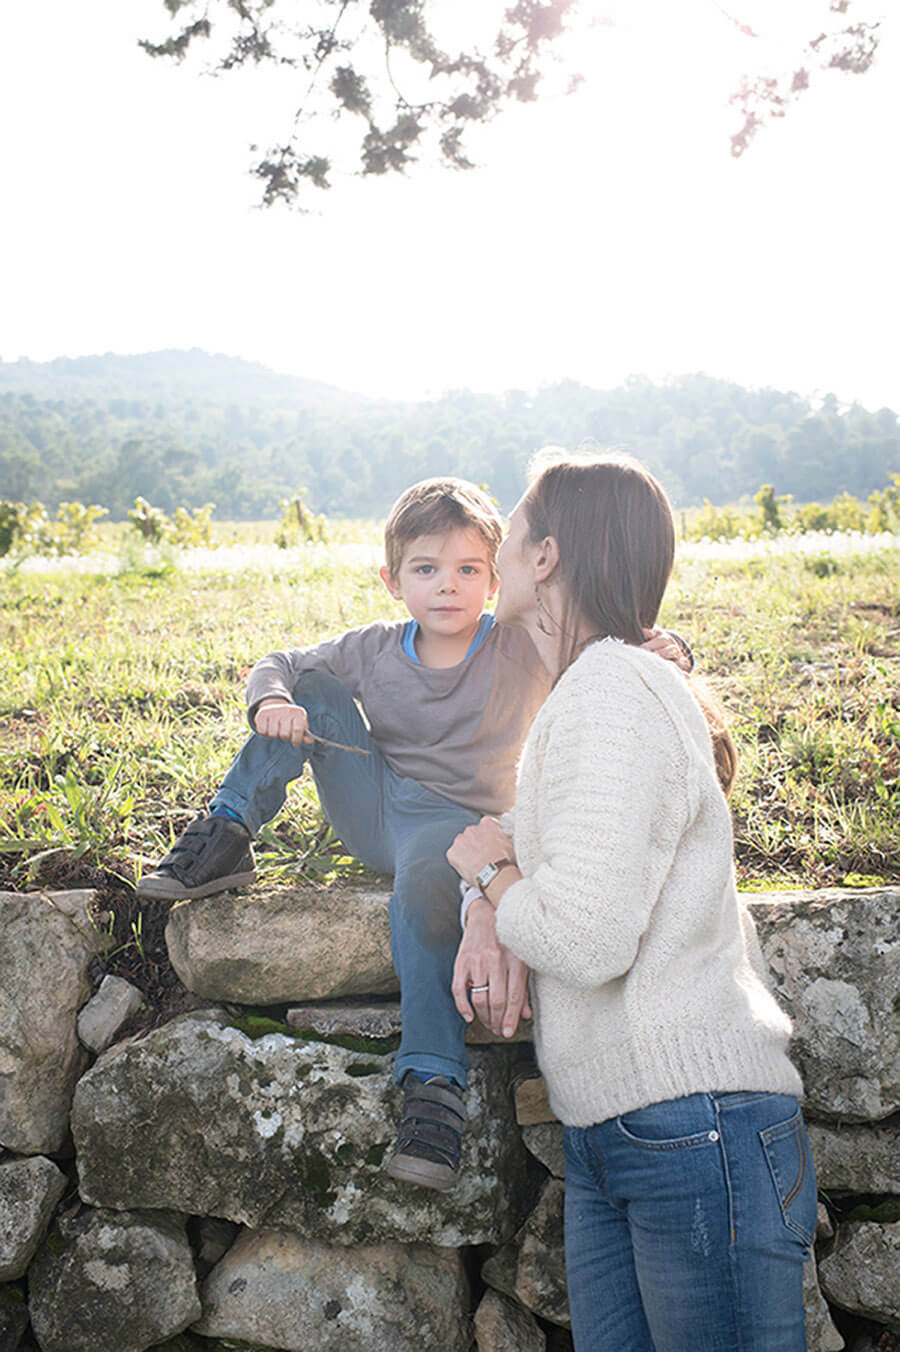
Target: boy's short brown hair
[[434, 506]]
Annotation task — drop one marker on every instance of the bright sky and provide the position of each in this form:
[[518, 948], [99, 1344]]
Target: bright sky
[[606, 234]]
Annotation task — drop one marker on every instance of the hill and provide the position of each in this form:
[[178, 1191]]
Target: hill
[[191, 427], [172, 376]]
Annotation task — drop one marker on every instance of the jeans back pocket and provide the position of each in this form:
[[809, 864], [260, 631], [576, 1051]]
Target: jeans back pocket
[[786, 1149]]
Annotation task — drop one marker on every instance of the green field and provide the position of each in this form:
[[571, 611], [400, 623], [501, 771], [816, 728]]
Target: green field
[[121, 706]]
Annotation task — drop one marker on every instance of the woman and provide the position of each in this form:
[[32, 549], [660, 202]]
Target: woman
[[690, 1192]]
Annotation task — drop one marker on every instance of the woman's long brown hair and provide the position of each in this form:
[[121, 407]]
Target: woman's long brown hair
[[612, 522]]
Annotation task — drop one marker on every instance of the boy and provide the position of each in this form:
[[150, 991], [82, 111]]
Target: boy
[[449, 698]]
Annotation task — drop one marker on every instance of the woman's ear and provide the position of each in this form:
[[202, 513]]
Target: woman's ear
[[546, 559]]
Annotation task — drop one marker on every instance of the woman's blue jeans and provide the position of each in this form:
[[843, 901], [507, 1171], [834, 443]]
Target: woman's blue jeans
[[688, 1224], [393, 825]]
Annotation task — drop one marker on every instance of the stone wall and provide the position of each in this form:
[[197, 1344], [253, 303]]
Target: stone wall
[[218, 1182]]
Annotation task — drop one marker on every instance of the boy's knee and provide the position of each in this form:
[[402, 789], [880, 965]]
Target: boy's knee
[[427, 897]]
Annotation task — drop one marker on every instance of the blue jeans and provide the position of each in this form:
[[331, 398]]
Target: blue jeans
[[687, 1226], [393, 825]]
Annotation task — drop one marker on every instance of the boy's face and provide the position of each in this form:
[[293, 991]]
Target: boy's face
[[444, 581]]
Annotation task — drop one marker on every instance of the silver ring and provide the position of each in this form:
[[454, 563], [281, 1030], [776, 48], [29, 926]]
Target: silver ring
[[475, 989]]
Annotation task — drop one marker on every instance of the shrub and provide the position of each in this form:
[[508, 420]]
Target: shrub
[[11, 517], [186, 529], [298, 525], [811, 517], [150, 522], [193, 528], [770, 508], [29, 530], [847, 513], [884, 507], [719, 523]]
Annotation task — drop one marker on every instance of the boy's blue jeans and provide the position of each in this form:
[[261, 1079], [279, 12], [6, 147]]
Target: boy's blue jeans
[[687, 1226], [393, 825]]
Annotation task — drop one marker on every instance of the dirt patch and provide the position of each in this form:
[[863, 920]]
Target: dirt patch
[[135, 933]]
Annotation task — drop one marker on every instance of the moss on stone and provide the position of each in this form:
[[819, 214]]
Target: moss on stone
[[183, 1342], [255, 1026], [315, 1178], [375, 1154], [12, 1295], [361, 1068], [230, 1345], [369, 1046], [885, 1213]]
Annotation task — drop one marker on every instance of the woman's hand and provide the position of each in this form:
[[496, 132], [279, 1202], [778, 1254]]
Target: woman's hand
[[482, 961], [478, 845]]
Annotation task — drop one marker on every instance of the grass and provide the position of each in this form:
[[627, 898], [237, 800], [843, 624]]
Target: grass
[[121, 707], [807, 662]]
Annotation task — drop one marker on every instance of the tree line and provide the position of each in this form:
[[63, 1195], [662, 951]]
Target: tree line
[[186, 429]]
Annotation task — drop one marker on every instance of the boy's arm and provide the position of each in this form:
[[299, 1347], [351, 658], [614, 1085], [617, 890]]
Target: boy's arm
[[275, 717], [347, 658], [666, 643]]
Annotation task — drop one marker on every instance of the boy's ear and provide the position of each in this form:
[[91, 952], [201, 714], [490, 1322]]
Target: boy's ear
[[546, 559], [493, 589], [389, 582]]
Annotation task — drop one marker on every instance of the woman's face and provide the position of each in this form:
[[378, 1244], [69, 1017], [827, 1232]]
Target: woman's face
[[515, 569]]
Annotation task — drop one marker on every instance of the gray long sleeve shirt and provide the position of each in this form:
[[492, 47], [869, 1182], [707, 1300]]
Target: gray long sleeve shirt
[[457, 730]]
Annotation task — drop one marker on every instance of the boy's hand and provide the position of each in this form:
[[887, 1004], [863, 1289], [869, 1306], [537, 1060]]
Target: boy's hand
[[664, 644], [483, 961], [279, 718], [478, 845]]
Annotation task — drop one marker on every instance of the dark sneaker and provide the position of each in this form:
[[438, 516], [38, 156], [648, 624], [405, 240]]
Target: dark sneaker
[[212, 855], [428, 1142]]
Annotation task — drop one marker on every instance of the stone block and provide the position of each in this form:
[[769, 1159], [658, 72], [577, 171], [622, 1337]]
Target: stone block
[[283, 945], [531, 1268], [280, 1290], [503, 1325], [46, 943], [29, 1192], [861, 1271], [107, 1279], [834, 957], [284, 1133], [861, 1159], [105, 1013]]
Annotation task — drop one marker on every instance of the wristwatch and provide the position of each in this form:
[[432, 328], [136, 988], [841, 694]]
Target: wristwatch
[[487, 875]]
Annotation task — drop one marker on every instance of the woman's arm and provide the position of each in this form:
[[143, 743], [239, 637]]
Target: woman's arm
[[613, 802], [488, 980]]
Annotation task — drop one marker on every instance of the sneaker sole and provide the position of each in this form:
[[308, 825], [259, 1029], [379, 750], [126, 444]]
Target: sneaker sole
[[163, 888], [427, 1173]]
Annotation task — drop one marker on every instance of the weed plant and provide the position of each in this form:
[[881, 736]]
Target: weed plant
[[121, 706]]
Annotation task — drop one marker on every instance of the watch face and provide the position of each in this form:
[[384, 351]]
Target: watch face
[[486, 875]]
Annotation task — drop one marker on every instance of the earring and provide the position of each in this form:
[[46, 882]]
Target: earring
[[541, 607]]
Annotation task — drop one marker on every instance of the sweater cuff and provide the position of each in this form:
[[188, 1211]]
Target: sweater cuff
[[513, 928]]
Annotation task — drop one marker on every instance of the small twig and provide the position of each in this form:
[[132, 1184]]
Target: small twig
[[339, 746], [742, 27]]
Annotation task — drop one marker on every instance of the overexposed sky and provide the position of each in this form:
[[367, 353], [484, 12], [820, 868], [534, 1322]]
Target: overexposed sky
[[606, 234]]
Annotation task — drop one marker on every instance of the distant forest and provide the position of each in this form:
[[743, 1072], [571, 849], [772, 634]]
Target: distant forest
[[187, 428]]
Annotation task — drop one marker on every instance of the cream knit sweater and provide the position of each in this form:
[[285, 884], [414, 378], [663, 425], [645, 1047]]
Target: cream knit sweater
[[647, 977]]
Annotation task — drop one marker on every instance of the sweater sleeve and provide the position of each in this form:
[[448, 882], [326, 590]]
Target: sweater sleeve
[[347, 657], [613, 803]]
